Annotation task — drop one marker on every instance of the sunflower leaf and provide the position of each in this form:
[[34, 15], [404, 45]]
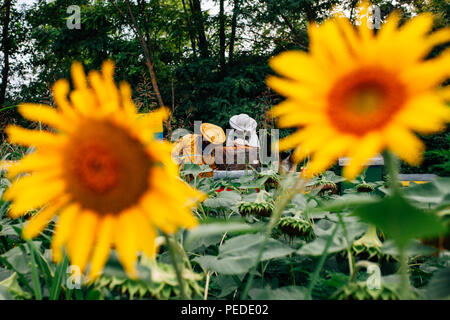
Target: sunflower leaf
[[432, 194], [194, 169], [400, 220], [283, 293], [237, 255], [224, 199], [211, 233]]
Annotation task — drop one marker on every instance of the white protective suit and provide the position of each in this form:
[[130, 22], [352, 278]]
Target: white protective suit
[[243, 132]]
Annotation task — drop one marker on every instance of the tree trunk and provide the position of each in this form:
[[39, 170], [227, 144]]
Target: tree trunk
[[310, 15], [297, 36], [222, 35], [197, 16], [147, 53], [352, 9], [6, 51], [233, 31], [191, 31]]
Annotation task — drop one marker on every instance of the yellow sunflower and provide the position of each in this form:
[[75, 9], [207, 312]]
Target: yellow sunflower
[[357, 93], [102, 173]]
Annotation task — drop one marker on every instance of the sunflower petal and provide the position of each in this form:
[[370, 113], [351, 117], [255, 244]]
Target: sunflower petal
[[26, 137], [313, 144], [78, 75], [34, 161], [127, 102], [367, 147], [41, 219], [297, 65], [405, 144], [326, 156], [82, 238], [34, 198], [290, 88], [126, 243], [146, 233], [103, 244], [63, 230], [425, 114], [45, 114], [60, 91]]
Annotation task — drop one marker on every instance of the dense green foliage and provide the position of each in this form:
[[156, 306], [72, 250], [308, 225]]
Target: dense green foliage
[[318, 249], [208, 60], [209, 63]]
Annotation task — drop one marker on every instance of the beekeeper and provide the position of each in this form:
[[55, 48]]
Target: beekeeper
[[189, 148], [243, 131]]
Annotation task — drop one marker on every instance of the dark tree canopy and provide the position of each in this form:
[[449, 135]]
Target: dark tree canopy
[[209, 57]]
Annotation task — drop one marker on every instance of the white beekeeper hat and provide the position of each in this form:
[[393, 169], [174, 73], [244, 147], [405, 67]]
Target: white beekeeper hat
[[243, 123]]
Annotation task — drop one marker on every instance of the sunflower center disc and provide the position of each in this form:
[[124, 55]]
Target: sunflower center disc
[[365, 100], [96, 167], [106, 169]]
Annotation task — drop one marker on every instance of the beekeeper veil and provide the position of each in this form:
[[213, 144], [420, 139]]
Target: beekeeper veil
[[243, 132]]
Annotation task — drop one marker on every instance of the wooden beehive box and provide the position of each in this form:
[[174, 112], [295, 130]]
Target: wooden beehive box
[[237, 158]]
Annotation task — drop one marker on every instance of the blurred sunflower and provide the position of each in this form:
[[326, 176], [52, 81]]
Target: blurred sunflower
[[103, 173], [356, 93]]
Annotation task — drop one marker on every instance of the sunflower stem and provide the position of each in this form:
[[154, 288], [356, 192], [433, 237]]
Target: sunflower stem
[[58, 279], [34, 274], [205, 294], [351, 260], [315, 276], [170, 240], [392, 166], [404, 274], [282, 202], [372, 232]]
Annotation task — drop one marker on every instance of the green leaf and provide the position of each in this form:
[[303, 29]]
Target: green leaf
[[12, 286], [238, 255], [283, 293], [435, 193], [438, 287], [415, 248], [343, 203], [316, 247], [35, 280], [244, 246], [195, 169], [18, 260], [227, 283], [224, 199], [7, 230], [300, 201], [56, 286], [331, 176], [254, 183], [400, 220], [114, 268], [212, 233], [4, 293], [231, 265]]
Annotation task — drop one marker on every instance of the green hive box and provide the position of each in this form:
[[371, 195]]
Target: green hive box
[[373, 173]]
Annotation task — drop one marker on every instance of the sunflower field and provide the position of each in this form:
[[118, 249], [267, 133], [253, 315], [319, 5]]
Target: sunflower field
[[94, 205]]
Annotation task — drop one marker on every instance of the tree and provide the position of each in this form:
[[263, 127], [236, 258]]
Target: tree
[[6, 48], [197, 17], [236, 5], [222, 35]]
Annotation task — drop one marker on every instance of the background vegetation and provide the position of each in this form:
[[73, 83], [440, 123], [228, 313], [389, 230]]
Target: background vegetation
[[208, 58]]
